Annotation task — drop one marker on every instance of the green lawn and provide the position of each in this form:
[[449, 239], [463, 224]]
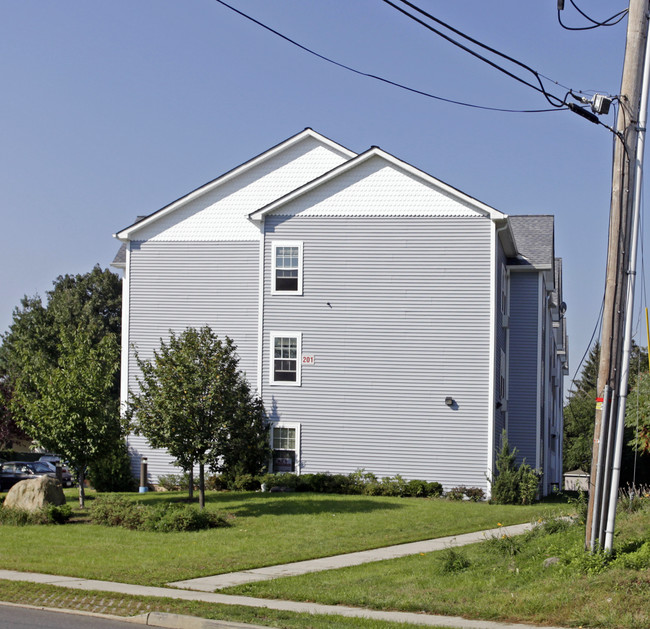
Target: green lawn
[[265, 529], [504, 579]]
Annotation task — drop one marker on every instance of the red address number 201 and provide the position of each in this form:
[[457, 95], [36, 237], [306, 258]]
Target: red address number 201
[[308, 360]]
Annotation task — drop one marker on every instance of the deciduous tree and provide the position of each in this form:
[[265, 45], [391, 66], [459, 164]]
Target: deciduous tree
[[194, 401]]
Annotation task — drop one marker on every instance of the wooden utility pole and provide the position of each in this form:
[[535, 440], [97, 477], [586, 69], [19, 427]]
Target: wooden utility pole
[[617, 263]]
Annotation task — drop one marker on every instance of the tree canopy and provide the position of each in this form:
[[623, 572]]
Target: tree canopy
[[194, 401], [579, 415], [59, 363]]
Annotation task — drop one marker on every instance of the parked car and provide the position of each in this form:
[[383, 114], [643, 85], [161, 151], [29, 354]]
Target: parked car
[[13, 472], [66, 477]]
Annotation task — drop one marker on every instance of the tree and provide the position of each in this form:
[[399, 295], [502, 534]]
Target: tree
[[194, 401], [60, 365], [74, 412], [580, 411]]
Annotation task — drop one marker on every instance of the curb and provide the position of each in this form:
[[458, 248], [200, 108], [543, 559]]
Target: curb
[[176, 621], [151, 619]]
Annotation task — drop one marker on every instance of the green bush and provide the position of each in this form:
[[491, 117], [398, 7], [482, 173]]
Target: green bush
[[434, 490], [456, 493], [170, 482], [244, 482], [475, 494], [512, 484], [169, 517], [115, 510], [50, 514], [417, 489]]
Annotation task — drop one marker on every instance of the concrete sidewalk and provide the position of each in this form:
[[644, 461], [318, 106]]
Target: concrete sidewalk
[[429, 620], [203, 589], [220, 581]]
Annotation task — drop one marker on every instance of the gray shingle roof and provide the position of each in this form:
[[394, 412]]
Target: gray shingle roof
[[534, 237]]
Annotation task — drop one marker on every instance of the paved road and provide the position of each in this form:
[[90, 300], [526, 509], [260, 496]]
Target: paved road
[[24, 618]]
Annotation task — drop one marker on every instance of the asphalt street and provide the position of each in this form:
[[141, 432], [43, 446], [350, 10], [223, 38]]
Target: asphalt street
[[25, 618]]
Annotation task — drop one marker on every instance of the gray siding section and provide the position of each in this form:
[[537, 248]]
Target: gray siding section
[[523, 377], [396, 313], [501, 345], [180, 285]]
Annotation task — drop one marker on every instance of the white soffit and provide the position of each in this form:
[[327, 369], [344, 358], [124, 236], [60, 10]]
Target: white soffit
[[377, 184], [219, 210]]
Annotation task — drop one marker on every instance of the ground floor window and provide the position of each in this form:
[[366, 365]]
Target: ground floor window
[[285, 442]]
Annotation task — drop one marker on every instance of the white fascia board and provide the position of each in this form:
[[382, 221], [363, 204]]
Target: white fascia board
[[360, 159], [127, 234]]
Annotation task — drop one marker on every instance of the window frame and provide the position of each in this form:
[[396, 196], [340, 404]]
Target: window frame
[[286, 243], [291, 425], [285, 383]]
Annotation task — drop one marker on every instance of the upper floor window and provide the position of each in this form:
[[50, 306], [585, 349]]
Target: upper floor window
[[287, 268], [285, 361]]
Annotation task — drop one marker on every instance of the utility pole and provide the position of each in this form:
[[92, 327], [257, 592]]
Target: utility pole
[[617, 267]]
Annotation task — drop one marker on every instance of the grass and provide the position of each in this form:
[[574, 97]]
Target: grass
[[265, 529], [502, 580], [40, 595]]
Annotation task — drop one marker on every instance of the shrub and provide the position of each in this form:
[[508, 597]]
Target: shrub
[[475, 494], [50, 514], [359, 479], [373, 489], [170, 482], [513, 485], [58, 514], [434, 489], [115, 510], [417, 489], [456, 493], [170, 517], [244, 482]]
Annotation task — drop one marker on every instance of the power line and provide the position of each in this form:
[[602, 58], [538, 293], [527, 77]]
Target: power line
[[552, 99], [382, 79], [594, 23]]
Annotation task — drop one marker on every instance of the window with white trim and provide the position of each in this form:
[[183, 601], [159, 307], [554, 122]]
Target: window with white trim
[[286, 348], [285, 443], [287, 268]]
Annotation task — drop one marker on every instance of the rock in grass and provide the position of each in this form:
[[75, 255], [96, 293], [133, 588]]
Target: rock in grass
[[551, 561], [35, 493]]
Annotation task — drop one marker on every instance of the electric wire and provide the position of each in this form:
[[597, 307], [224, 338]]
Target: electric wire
[[552, 99], [594, 23], [383, 79]]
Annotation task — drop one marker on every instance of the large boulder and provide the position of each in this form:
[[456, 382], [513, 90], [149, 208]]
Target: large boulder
[[35, 493]]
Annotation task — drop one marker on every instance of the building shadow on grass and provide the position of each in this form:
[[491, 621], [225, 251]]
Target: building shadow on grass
[[256, 504]]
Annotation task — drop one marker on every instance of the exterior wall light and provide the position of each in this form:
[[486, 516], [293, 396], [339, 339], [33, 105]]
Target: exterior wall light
[[449, 401]]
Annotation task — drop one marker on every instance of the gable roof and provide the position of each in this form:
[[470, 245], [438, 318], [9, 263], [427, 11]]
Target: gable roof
[[534, 236], [356, 162], [308, 133]]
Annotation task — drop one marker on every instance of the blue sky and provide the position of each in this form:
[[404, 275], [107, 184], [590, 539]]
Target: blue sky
[[112, 109]]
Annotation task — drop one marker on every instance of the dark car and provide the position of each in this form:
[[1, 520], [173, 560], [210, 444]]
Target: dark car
[[13, 472]]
